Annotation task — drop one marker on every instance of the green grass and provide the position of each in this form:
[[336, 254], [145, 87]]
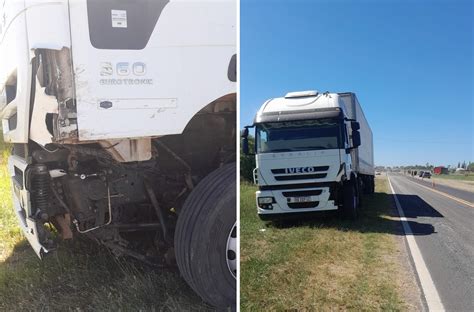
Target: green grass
[[321, 264], [80, 276], [9, 232]]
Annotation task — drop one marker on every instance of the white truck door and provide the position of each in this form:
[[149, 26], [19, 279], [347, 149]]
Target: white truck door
[[144, 68]]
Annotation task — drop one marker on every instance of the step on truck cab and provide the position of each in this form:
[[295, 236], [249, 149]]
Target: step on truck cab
[[122, 119], [313, 153]]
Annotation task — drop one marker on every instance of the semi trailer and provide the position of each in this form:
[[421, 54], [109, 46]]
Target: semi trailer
[[122, 118], [313, 152]]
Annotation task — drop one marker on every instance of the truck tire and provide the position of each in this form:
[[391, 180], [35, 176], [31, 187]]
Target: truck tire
[[205, 238], [350, 201]]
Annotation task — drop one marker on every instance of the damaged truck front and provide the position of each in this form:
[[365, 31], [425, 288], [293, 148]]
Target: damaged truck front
[[122, 119]]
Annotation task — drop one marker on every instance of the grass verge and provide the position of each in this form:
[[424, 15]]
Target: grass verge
[[321, 264], [456, 177], [80, 276]]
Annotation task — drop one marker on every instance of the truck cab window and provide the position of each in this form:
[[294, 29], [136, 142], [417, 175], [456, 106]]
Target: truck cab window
[[299, 135], [262, 138]]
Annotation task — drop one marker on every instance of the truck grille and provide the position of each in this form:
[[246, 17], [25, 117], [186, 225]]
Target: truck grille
[[300, 173], [19, 150], [303, 205], [18, 177], [300, 177], [311, 204], [302, 193]]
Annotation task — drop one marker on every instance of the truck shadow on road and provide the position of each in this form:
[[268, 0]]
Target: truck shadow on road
[[415, 207], [377, 215]]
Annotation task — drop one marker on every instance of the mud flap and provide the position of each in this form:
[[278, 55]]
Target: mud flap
[[22, 205]]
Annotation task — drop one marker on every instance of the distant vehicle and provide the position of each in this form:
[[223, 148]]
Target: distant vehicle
[[426, 174], [378, 173], [420, 174], [440, 170]]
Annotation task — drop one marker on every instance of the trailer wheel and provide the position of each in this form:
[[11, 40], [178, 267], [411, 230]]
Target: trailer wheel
[[350, 201], [205, 238]]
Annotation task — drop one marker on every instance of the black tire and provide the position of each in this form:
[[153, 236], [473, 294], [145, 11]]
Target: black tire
[[204, 223], [349, 207]]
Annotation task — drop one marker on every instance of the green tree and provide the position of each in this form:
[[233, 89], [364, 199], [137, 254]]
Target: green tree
[[470, 167]]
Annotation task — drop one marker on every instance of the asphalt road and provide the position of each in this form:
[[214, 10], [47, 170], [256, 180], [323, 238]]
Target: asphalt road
[[444, 233], [465, 195]]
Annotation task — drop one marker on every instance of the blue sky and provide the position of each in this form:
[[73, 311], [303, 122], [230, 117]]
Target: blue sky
[[409, 62]]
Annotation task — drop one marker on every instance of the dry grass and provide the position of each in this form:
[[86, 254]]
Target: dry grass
[[80, 276], [468, 176], [465, 185], [321, 264]]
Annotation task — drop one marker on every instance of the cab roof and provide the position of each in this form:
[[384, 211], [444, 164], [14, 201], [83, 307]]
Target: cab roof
[[300, 102]]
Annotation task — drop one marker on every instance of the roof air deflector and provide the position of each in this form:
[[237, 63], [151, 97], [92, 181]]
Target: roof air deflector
[[301, 94]]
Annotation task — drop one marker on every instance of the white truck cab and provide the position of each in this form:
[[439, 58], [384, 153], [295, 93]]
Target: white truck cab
[[313, 153], [122, 119]]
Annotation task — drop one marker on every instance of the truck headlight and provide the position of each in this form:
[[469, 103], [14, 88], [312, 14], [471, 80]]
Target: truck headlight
[[265, 200]]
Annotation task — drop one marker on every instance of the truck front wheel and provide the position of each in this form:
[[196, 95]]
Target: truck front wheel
[[205, 238], [350, 201]]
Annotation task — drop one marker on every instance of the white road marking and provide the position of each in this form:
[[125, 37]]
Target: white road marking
[[427, 284]]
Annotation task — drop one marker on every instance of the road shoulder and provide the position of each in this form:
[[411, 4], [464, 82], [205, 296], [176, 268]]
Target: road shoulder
[[408, 282]]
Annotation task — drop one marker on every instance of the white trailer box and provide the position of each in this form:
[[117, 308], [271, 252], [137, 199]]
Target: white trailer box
[[364, 154]]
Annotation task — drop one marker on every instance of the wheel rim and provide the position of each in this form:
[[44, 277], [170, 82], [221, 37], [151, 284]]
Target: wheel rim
[[231, 252]]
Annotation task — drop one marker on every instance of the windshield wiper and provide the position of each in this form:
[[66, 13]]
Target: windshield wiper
[[281, 150], [310, 148]]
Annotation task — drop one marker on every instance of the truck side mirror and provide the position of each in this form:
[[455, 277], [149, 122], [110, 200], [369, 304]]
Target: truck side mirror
[[355, 138], [244, 134], [355, 125], [245, 145]]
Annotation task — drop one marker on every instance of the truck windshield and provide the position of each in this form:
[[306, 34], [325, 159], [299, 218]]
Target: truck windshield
[[301, 135]]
